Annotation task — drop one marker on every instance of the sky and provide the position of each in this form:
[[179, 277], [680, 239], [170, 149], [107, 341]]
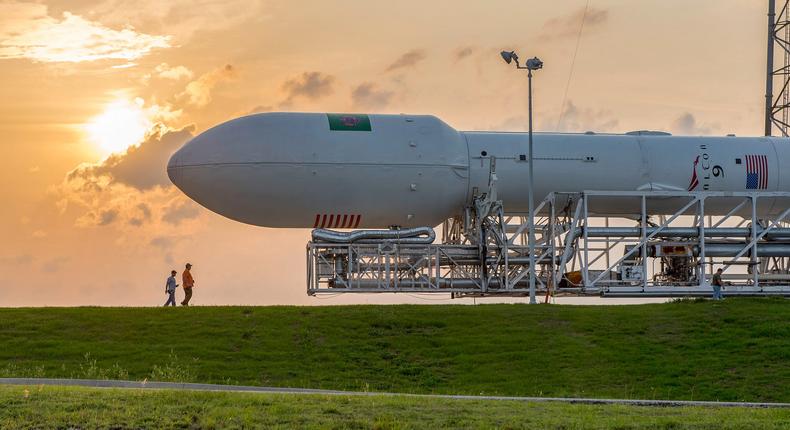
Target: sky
[[96, 95]]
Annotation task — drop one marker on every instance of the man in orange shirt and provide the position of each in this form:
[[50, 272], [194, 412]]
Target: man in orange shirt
[[187, 282]]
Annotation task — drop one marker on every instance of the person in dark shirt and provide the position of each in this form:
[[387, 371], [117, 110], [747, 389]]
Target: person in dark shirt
[[717, 284]]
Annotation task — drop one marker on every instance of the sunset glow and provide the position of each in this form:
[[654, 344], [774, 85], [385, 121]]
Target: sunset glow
[[97, 96], [121, 125]]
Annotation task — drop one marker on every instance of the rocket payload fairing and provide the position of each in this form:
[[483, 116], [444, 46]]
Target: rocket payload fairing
[[312, 170]]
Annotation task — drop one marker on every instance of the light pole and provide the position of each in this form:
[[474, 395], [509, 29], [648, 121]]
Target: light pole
[[532, 64]]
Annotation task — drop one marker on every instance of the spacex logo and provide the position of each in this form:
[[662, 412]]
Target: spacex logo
[[694, 180], [702, 171]]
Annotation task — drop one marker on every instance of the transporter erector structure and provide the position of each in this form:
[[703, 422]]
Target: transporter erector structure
[[641, 213]]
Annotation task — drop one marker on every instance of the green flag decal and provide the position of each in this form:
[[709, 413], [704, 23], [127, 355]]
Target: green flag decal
[[348, 122]]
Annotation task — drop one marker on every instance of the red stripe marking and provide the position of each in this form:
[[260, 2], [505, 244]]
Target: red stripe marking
[[323, 221], [758, 166], [759, 160], [765, 171], [749, 164], [317, 220], [331, 221], [356, 223], [760, 169], [344, 224]]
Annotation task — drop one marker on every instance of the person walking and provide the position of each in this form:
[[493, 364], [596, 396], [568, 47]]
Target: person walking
[[717, 284], [188, 282], [170, 289]]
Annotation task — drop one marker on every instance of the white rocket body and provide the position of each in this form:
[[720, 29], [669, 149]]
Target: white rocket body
[[304, 170]]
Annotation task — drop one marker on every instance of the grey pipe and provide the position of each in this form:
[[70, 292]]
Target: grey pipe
[[730, 250], [420, 284], [417, 235], [687, 232]]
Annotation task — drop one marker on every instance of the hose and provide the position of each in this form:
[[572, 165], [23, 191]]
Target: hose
[[417, 235]]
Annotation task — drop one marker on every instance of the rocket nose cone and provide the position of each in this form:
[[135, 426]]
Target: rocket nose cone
[[173, 169]]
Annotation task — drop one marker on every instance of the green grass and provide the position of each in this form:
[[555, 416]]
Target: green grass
[[56, 407], [735, 350]]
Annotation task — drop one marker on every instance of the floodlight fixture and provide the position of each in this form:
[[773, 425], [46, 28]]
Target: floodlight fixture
[[534, 63], [509, 56]]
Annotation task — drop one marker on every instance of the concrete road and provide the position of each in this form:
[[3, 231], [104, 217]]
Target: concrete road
[[95, 383]]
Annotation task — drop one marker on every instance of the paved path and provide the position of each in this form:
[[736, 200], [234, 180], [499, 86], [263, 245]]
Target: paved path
[[96, 383]]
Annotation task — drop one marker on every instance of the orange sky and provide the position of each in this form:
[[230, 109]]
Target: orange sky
[[80, 80]]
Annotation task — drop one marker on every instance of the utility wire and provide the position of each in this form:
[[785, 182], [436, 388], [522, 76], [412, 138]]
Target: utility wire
[[573, 63]]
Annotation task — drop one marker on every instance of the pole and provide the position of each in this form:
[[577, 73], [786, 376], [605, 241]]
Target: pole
[[769, 70], [531, 218]]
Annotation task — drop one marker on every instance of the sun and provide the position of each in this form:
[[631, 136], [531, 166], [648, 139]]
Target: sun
[[121, 125]]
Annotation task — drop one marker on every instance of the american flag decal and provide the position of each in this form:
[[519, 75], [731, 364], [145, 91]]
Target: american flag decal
[[756, 172]]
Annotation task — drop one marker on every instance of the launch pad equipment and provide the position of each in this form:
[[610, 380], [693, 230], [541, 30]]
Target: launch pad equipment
[[576, 253], [642, 213]]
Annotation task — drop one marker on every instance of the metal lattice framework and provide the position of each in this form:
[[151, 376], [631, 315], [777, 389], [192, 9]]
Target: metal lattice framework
[[578, 252], [777, 108], [673, 255]]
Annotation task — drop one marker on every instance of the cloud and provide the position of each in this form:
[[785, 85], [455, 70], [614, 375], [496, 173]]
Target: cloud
[[463, 52], [368, 96], [180, 18], [54, 265], [107, 216], [20, 260], [568, 26], [198, 92], [687, 124], [166, 244], [138, 214], [143, 166], [577, 119], [161, 242], [143, 214], [165, 71], [15, 17], [310, 85], [27, 31], [180, 210], [407, 60], [39, 234], [260, 109], [130, 192]]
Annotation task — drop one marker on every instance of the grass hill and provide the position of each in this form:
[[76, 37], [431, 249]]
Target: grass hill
[[83, 408], [735, 350]]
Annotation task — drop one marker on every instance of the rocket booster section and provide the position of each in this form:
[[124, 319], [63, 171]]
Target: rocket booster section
[[305, 170]]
